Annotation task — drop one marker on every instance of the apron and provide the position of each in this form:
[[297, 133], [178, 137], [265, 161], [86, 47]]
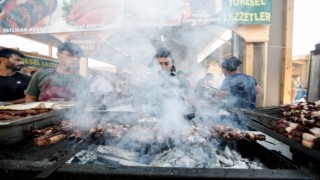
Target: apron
[[57, 93]]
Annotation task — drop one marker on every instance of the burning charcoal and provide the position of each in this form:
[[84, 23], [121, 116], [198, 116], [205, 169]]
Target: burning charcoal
[[155, 149], [117, 152], [83, 157], [185, 161], [145, 159], [223, 160], [120, 162], [102, 107]]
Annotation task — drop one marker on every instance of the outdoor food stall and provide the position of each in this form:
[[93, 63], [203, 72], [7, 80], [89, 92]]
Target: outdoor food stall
[[161, 134]]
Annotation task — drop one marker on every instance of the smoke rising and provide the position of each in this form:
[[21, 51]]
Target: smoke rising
[[159, 101]]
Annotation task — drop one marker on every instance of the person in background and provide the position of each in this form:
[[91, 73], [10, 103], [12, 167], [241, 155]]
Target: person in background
[[238, 89], [12, 83], [241, 89], [293, 90], [204, 87], [63, 83]]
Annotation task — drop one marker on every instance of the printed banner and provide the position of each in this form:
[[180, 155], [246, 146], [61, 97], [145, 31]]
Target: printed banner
[[247, 11], [56, 16], [39, 63], [226, 12], [50, 16]]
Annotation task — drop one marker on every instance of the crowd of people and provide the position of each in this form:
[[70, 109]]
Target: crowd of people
[[65, 84]]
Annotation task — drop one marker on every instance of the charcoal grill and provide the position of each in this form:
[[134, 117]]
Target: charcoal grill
[[24, 160]]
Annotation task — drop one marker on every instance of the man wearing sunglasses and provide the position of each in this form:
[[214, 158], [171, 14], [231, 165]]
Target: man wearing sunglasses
[[163, 56]]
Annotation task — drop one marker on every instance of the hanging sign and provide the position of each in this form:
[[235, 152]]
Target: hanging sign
[[88, 42], [226, 12], [247, 11], [56, 16]]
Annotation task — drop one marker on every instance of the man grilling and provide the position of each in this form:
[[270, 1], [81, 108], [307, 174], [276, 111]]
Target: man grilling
[[161, 87], [12, 83], [62, 83]]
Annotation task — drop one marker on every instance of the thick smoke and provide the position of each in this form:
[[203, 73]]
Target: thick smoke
[[152, 93], [162, 104]]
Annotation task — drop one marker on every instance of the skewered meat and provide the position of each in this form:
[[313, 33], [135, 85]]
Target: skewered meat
[[99, 131], [300, 123], [61, 126], [311, 144], [315, 131], [55, 133], [230, 134], [9, 114], [77, 134], [47, 140]]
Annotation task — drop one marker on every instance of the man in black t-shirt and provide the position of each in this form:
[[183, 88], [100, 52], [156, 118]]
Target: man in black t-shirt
[[12, 83]]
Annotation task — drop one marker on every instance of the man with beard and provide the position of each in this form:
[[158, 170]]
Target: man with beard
[[63, 83], [12, 83]]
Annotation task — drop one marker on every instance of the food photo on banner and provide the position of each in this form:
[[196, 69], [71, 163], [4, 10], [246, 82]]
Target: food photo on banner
[[49, 16]]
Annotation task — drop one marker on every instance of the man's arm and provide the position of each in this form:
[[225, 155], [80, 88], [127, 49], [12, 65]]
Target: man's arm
[[258, 90], [30, 98], [17, 101], [32, 92]]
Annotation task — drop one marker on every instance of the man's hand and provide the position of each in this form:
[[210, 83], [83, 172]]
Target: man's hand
[[219, 93]]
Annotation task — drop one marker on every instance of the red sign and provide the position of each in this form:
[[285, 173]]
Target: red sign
[[89, 42]]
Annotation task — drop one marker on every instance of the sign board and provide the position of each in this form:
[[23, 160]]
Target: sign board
[[55, 16], [226, 12], [247, 11], [88, 42], [39, 63]]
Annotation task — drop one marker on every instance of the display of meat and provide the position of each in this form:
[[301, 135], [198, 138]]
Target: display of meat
[[301, 123], [228, 134], [142, 136], [9, 114]]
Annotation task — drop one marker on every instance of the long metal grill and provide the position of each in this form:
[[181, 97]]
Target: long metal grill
[[262, 120]]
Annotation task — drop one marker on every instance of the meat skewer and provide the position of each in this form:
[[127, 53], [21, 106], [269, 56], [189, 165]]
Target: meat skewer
[[47, 140], [229, 134], [300, 123]]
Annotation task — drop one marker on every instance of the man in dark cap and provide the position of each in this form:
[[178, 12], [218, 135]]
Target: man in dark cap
[[240, 88], [63, 83], [12, 83], [164, 58]]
